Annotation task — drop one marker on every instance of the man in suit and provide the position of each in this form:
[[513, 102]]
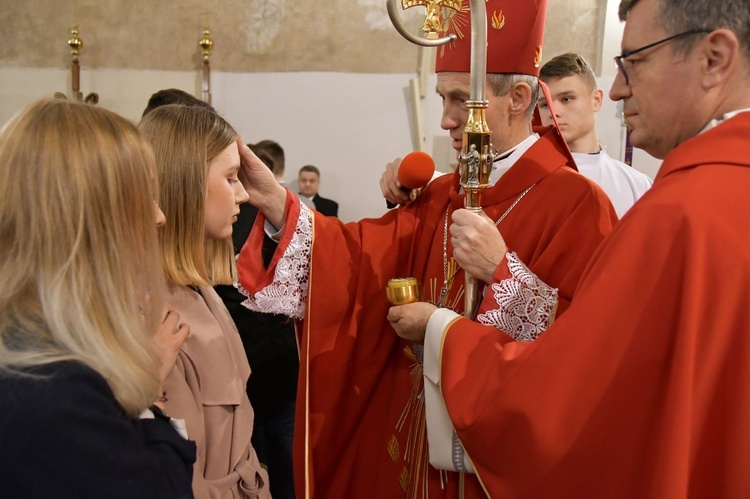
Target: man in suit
[[309, 181]]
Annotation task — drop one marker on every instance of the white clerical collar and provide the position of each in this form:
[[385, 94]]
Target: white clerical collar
[[731, 114], [508, 158]]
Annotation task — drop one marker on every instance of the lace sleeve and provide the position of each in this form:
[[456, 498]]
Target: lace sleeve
[[287, 293], [525, 305]]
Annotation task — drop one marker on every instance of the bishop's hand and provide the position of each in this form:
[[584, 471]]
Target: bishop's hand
[[262, 188], [410, 321], [478, 246]]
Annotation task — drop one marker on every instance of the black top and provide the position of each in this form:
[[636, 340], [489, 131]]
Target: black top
[[269, 339], [327, 207], [63, 434]]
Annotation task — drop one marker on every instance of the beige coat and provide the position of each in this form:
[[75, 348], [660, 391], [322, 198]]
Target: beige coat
[[207, 388]]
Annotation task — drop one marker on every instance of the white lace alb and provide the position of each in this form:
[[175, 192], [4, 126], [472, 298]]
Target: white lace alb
[[526, 305], [287, 293]]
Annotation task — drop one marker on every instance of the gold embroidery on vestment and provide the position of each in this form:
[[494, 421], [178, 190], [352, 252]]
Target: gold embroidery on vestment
[[498, 20], [393, 448], [404, 479]]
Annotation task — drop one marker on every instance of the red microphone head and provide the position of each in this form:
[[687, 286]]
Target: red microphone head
[[416, 170]]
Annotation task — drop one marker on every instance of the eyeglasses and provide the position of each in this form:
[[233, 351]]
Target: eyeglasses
[[619, 59]]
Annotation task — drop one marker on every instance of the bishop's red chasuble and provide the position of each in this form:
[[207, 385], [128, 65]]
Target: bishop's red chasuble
[[359, 429], [640, 390]]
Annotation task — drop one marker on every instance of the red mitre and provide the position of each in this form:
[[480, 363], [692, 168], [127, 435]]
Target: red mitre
[[515, 29]]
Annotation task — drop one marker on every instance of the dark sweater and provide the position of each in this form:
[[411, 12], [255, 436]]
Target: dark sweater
[[63, 434]]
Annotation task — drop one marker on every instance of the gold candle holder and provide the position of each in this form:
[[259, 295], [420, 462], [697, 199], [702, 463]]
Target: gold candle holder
[[403, 290], [206, 44]]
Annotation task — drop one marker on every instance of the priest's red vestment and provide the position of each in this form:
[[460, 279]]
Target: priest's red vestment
[[359, 429], [641, 389]]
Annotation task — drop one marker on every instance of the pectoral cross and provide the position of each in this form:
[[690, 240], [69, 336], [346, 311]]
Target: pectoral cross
[[450, 272], [443, 296]]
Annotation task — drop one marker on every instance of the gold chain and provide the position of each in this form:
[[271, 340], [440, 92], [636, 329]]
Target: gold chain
[[448, 280]]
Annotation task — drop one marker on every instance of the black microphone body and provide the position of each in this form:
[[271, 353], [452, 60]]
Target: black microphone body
[[393, 205]]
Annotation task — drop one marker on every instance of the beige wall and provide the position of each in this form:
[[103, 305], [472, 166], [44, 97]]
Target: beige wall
[[249, 35], [346, 121]]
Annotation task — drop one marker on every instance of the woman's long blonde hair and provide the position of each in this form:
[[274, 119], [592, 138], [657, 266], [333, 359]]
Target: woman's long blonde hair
[[79, 262], [185, 139]]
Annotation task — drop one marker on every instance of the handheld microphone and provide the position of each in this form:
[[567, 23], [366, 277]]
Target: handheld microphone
[[415, 170]]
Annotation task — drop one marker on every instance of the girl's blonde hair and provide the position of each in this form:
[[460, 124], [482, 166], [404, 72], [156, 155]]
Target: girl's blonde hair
[[79, 263], [185, 139]]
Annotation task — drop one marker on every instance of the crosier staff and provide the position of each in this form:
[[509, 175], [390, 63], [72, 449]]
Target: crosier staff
[[475, 162]]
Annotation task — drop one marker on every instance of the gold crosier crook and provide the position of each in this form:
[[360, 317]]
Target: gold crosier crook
[[475, 162]]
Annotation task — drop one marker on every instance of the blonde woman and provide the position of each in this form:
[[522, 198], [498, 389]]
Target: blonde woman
[[81, 292], [198, 160]]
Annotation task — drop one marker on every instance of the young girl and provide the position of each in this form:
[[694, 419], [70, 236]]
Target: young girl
[[81, 293], [198, 160]]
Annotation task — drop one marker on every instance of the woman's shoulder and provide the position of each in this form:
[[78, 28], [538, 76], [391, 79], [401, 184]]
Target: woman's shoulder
[[37, 394], [212, 357], [50, 377], [63, 433]]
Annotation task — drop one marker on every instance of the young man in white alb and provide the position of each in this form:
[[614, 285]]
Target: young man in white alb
[[576, 100]]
